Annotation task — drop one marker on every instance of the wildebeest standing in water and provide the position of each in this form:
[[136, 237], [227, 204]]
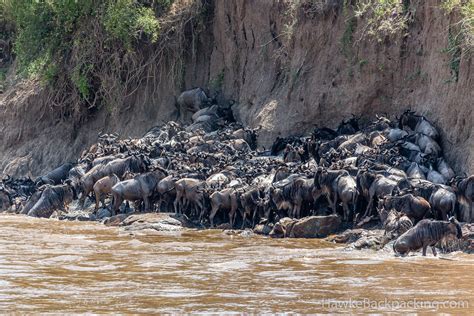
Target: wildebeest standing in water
[[426, 233]]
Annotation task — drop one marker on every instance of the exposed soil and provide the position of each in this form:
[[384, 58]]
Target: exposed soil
[[287, 82]]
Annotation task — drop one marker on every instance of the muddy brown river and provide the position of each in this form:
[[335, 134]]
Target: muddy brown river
[[78, 267]]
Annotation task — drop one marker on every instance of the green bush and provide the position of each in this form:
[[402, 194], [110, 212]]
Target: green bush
[[383, 17], [126, 20], [45, 29]]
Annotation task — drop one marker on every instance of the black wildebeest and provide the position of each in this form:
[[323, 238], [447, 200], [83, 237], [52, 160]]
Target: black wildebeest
[[426, 233]]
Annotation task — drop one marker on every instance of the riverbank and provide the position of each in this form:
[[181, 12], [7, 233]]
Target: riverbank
[[324, 228]]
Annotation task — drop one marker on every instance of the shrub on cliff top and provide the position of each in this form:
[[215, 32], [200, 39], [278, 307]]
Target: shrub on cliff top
[[45, 29]]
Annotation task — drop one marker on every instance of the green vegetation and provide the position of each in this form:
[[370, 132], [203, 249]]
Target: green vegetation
[[96, 53], [347, 39], [454, 51], [45, 29], [383, 18], [216, 83], [465, 27]]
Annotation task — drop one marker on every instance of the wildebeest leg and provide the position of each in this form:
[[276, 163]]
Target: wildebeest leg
[[334, 204], [232, 215], [178, 202], [347, 211], [244, 217], [328, 198], [424, 249], [102, 200], [297, 209], [117, 200], [146, 201], [369, 206], [471, 208], [433, 249], [254, 216], [97, 199], [214, 210]]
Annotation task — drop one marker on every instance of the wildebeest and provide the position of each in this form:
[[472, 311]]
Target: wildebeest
[[293, 194], [191, 101], [5, 200], [166, 191], [52, 198], [102, 187], [252, 204], [324, 182], [345, 189], [418, 124], [426, 233], [247, 134], [291, 154], [189, 191], [443, 202], [415, 172], [55, 176], [435, 177], [142, 187], [225, 199], [443, 168], [415, 207], [117, 167], [374, 186], [465, 190]]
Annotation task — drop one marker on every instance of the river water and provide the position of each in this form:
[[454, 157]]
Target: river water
[[78, 267]]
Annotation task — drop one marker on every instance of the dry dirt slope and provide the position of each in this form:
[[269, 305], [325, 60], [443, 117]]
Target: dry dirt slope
[[285, 71]]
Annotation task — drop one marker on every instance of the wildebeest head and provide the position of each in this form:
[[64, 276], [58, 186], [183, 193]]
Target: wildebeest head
[[348, 127], [455, 227], [408, 118]]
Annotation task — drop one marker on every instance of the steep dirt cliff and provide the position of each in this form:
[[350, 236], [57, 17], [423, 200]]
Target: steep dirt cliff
[[286, 68]]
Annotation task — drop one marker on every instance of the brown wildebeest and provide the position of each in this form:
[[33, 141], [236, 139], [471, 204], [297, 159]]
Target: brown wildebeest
[[189, 190], [225, 199], [103, 187], [415, 207], [426, 233]]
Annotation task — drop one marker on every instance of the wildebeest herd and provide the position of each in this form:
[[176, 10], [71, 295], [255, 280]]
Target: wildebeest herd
[[212, 172]]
